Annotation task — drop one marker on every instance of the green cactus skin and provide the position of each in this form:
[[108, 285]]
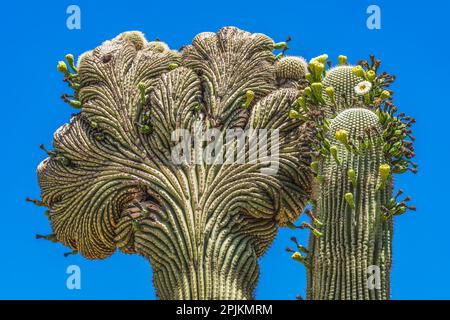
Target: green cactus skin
[[357, 145], [344, 81], [111, 183], [291, 67], [353, 238]]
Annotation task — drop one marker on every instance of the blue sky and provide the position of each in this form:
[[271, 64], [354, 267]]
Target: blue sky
[[413, 44]]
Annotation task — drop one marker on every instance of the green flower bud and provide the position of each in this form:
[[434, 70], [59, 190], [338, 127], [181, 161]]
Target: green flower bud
[[352, 176], [279, 45], [71, 61], [62, 67], [385, 171], [308, 92], [317, 88], [349, 198], [371, 75], [322, 58], [173, 66], [334, 153], [317, 233], [249, 96], [297, 256], [145, 129], [342, 60], [141, 88], [359, 72], [317, 223], [385, 94], [330, 93], [315, 166], [316, 66], [94, 125], [342, 137], [301, 103], [293, 114], [75, 104]]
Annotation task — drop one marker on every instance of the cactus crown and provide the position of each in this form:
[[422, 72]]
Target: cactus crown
[[111, 181]]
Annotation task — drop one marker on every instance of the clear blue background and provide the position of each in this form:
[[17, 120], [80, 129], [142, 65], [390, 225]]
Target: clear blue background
[[413, 43]]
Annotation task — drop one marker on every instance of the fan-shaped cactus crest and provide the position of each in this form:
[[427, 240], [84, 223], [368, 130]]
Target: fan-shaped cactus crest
[[112, 180]]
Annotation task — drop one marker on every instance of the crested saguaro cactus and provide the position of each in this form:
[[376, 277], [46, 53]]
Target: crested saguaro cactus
[[112, 182], [359, 141]]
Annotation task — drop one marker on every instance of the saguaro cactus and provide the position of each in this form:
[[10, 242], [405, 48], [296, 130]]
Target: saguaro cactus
[[111, 181], [360, 141]]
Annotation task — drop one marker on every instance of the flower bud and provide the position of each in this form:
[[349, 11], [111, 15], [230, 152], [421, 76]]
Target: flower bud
[[350, 200], [359, 72], [385, 171], [279, 45], [71, 61], [342, 137], [342, 60], [308, 92], [62, 67], [317, 88], [249, 96], [330, 93], [75, 104], [352, 176], [317, 233], [334, 151], [315, 166], [173, 66], [385, 94], [293, 114], [371, 75], [301, 103], [322, 58]]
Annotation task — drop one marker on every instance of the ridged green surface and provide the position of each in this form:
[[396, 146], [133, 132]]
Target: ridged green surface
[[202, 226], [353, 239], [290, 67], [344, 81]]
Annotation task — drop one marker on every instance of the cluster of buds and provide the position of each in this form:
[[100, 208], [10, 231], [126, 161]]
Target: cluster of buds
[[397, 137], [301, 255], [144, 124], [70, 72], [283, 46], [395, 208]]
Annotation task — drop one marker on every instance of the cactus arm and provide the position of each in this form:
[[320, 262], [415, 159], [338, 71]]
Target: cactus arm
[[358, 144], [356, 236]]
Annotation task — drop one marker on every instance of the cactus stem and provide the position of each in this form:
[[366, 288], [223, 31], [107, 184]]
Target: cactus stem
[[38, 203], [73, 252]]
